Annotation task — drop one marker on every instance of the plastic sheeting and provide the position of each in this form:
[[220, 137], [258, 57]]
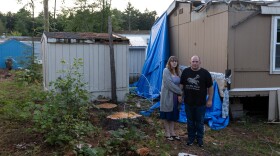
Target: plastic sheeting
[[15, 50], [213, 114], [149, 83]]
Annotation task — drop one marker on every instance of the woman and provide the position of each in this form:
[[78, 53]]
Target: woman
[[170, 92]]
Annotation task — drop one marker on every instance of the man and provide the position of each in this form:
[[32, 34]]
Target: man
[[196, 83]]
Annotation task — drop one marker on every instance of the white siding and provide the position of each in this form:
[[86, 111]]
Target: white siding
[[96, 67]]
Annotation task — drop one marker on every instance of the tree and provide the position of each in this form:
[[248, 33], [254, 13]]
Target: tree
[[117, 20], [46, 16], [131, 16], [112, 63], [105, 10], [2, 24], [10, 22], [23, 22], [147, 19], [39, 24], [2, 28]]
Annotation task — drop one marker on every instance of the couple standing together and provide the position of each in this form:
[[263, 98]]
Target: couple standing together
[[192, 86]]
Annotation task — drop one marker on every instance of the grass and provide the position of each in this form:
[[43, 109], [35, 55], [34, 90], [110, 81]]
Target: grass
[[249, 136]]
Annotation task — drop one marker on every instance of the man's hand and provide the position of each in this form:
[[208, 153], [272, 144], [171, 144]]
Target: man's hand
[[209, 103], [180, 99]]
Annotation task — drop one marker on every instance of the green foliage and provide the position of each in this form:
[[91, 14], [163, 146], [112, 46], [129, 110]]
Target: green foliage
[[84, 17], [15, 33], [85, 150], [123, 140], [17, 101], [131, 16], [23, 22], [2, 28], [29, 76], [33, 71], [64, 117]]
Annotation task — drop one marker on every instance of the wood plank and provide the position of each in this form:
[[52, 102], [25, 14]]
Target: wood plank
[[278, 101], [272, 106]]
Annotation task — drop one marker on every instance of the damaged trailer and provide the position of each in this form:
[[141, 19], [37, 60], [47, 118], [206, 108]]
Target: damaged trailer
[[238, 36]]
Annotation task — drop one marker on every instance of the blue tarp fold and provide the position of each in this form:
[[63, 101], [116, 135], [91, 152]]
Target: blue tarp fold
[[149, 83], [214, 113]]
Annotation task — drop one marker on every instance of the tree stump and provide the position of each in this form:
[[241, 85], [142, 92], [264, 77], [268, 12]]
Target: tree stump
[[124, 115]]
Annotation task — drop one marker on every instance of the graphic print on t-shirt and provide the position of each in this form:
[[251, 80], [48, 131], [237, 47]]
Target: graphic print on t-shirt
[[193, 83]]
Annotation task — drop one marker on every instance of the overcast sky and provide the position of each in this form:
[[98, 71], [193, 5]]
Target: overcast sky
[[158, 5]]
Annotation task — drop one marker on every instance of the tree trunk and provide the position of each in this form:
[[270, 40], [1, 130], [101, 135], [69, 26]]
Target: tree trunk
[[54, 11], [112, 62], [33, 34], [46, 16]]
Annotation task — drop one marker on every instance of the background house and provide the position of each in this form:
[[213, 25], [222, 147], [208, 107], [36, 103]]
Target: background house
[[93, 48], [138, 43], [241, 36]]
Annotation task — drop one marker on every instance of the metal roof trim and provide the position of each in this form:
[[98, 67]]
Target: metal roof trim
[[83, 36]]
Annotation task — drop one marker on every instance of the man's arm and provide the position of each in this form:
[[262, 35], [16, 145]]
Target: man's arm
[[210, 96]]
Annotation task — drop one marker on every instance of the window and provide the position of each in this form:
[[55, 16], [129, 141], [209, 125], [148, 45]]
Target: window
[[275, 45]]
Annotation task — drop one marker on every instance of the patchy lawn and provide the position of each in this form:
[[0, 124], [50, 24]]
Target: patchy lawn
[[249, 136]]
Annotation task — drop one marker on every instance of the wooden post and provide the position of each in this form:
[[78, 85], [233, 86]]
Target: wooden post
[[278, 103], [272, 109], [112, 62]]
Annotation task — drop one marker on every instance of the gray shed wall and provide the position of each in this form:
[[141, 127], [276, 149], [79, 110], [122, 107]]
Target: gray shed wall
[[96, 67]]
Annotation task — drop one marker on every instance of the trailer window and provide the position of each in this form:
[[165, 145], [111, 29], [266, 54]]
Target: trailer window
[[275, 46]]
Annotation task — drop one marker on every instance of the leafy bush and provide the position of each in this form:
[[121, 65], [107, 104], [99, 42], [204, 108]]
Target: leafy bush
[[31, 75], [64, 117]]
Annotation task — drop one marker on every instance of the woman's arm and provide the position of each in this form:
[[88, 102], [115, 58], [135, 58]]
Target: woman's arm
[[168, 83]]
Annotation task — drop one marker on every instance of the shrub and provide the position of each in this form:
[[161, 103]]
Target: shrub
[[64, 117]]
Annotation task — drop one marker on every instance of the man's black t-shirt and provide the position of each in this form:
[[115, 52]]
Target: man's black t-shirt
[[195, 84]]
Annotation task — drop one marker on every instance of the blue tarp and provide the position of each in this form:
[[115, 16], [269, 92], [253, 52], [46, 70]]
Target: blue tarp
[[149, 83], [15, 50], [213, 114]]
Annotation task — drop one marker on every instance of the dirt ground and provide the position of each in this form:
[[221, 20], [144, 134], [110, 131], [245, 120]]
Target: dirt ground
[[6, 75], [246, 136]]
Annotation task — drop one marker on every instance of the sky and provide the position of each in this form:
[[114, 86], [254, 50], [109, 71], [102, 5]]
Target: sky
[[152, 5]]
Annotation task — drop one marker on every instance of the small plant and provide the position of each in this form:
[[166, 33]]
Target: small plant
[[123, 140], [64, 117], [86, 150]]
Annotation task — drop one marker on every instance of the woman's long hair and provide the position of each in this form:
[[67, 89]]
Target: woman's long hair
[[168, 65]]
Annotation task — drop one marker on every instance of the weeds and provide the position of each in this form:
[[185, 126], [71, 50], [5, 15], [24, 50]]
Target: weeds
[[64, 117]]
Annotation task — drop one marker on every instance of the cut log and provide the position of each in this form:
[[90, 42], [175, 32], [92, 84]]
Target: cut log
[[106, 106], [123, 115]]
